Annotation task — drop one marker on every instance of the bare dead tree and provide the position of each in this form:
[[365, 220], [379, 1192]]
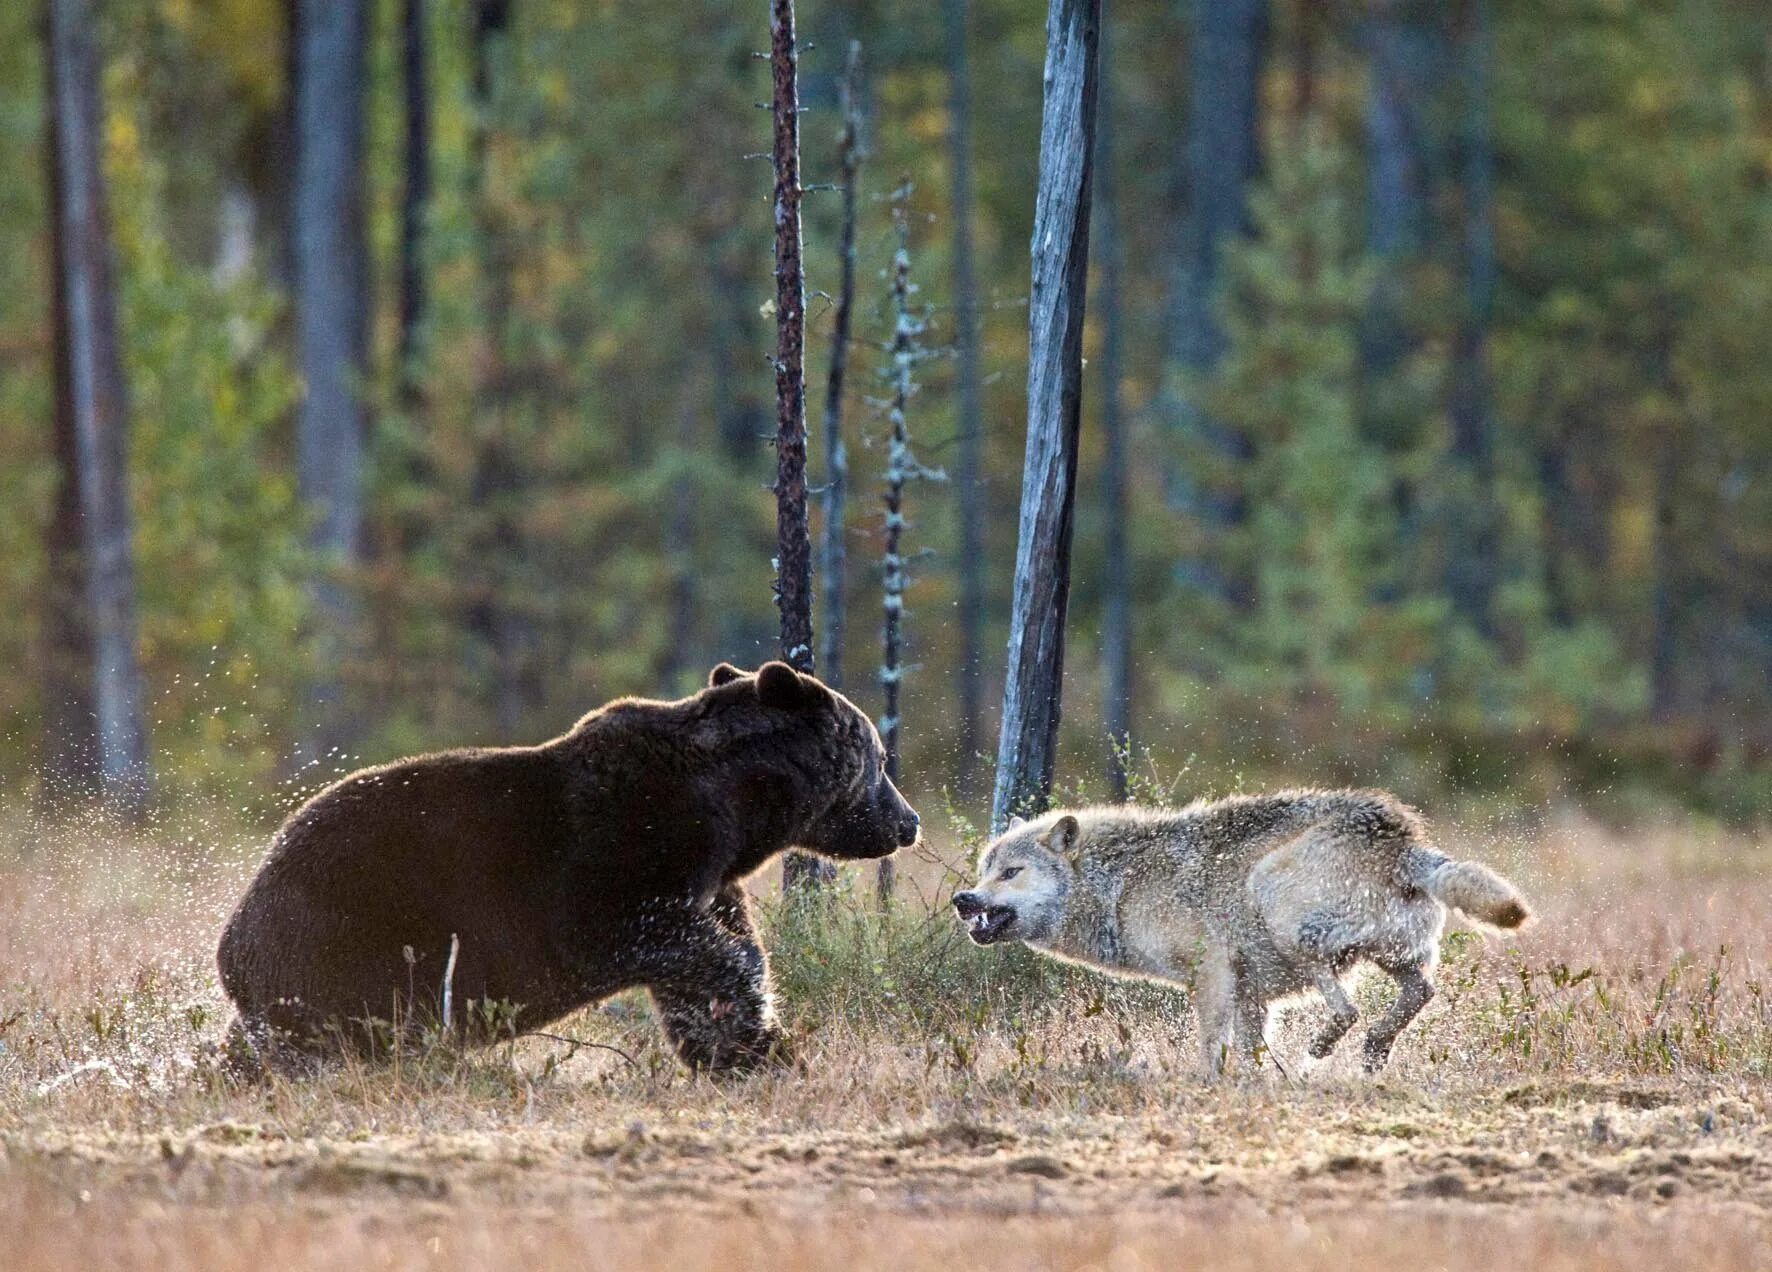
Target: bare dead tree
[[971, 414], [92, 392], [832, 554], [793, 569], [1028, 743], [793, 538], [1116, 587], [902, 467]]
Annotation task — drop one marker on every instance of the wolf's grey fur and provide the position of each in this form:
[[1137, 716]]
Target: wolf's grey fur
[[1249, 900]]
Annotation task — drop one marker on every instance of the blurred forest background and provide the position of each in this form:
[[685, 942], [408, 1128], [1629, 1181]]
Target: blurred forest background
[[1435, 335]]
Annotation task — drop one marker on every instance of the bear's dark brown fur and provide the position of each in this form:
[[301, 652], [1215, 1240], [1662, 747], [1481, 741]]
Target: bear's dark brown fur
[[608, 858]]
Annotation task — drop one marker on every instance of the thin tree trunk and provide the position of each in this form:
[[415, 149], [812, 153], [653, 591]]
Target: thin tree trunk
[[71, 769], [901, 467], [97, 391], [332, 329], [1472, 551], [1222, 158], [415, 198], [970, 465], [832, 556], [793, 570], [793, 579], [1116, 613], [1028, 744]]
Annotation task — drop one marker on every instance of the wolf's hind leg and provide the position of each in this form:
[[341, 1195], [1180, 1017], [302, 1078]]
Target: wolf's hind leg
[[1341, 1013], [1414, 991], [1215, 1005], [1249, 1026]]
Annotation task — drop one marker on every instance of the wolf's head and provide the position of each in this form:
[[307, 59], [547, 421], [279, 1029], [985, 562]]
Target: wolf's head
[[1024, 879]]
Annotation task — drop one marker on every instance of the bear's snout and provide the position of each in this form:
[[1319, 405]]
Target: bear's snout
[[908, 825]]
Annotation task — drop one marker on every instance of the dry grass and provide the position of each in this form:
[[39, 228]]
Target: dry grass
[[1593, 1094]]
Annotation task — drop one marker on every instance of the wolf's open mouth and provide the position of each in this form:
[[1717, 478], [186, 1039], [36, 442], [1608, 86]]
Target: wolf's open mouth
[[990, 924]]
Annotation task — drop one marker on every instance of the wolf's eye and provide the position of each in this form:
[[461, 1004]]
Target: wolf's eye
[[1010, 873]]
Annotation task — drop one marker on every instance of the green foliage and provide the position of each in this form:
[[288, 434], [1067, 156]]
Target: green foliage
[[572, 504], [220, 568], [1327, 616]]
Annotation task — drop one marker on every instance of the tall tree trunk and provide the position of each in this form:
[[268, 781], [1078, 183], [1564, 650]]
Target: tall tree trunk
[[95, 393], [1116, 609], [71, 768], [793, 569], [901, 469], [833, 556], [970, 466], [793, 578], [1060, 249], [332, 329], [892, 561], [1223, 156], [1473, 549], [415, 198]]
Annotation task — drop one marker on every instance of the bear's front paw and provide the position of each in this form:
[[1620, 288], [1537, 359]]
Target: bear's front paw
[[725, 1037], [771, 1048], [732, 1056]]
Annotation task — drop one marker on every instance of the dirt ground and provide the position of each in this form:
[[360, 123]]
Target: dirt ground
[[1594, 1095]]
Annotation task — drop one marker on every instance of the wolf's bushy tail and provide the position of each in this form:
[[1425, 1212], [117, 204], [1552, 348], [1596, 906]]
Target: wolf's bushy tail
[[1467, 886]]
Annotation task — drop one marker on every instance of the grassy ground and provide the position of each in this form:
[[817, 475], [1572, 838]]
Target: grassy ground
[[1593, 1094]]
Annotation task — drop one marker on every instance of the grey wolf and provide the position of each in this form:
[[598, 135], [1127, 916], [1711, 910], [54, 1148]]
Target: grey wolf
[[1248, 900]]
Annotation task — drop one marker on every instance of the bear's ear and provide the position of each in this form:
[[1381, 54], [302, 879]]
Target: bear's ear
[[1065, 838], [724, 674], [780, 686]]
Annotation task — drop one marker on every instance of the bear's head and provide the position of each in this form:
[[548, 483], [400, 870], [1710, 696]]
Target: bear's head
[[816, 758]]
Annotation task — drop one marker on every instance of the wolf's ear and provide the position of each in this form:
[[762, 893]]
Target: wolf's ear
[[1065, 838], [724, 674], [1016, 822], [780, 686]]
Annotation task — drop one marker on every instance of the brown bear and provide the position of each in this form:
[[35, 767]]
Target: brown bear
[[552, 876]]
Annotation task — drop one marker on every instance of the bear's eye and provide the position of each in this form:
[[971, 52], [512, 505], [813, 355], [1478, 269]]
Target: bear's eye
[[1009, 873]]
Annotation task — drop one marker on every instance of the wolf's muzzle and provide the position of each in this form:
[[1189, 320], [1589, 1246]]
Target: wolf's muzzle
[[984, 923]]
